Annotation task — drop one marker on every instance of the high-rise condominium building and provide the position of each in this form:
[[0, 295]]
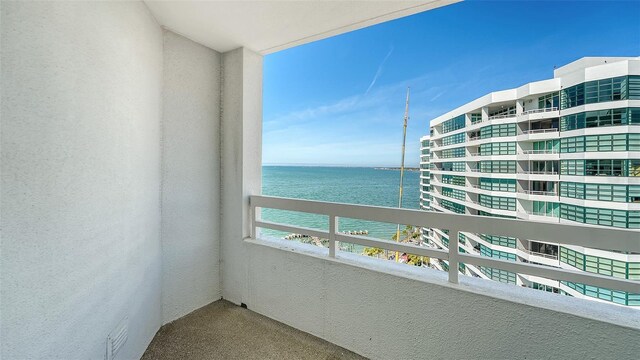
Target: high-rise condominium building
[[425, 178], [566, 150]]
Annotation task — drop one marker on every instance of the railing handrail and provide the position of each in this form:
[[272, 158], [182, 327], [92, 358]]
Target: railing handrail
[[540, 192], [534, 111], [536, 131], [581, 235], [535, 172], [536, 253], [544, 151], [501, 116]]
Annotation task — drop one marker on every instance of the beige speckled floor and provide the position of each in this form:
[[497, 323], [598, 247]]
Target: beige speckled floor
[[222, 330]]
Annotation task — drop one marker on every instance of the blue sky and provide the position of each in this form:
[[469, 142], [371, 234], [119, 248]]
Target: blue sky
[[340, 101]]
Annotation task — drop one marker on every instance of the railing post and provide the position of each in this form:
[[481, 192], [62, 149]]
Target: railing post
[[333, 229], [453, 256], [252, 218]]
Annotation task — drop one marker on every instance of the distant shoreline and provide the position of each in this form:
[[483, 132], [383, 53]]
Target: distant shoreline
[[407, 168], [397, 168]]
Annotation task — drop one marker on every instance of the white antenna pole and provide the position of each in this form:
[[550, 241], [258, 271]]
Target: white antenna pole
[[404, 141]]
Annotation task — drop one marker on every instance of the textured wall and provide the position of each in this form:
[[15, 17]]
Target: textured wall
[[241, 149], [80, 156], [384, 316], [190, 177]]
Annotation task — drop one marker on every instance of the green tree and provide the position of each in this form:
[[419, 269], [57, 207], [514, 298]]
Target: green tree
[[373, 252]]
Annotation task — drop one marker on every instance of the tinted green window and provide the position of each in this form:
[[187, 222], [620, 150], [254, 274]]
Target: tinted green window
[[600, 143], [498, 131], [488, 252], [633, 87], [452, 206], [596, 91], [453, 180], [456, 123], [499, 240], [600, 118], [453, 139], [549, 101], [598, 216], [546, 145], [572, 258], [498, 166], [453, 193], [454, 166], [497, 202], [453, 153], [476, 118], [502, 148], [546, 208], [601, 192], [508, 185], [572, 96], [502, 276], [572, 167]]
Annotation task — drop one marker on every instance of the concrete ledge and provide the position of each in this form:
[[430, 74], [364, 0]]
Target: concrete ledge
[[351, 300]]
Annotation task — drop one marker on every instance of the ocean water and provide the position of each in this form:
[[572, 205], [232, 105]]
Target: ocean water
[[353, 185]]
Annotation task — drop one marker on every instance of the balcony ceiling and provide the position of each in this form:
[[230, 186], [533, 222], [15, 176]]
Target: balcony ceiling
[[270, 26]]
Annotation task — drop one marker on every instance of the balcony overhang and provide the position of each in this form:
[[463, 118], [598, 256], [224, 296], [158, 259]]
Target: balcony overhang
[[270, 26]]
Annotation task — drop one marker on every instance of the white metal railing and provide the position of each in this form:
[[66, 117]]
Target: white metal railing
[[535, 253], [540, 213], [501, 116], [536, 172], [535, 111], [538, 192], [540, 131], [473, 138], [580, 235], [537, 152]]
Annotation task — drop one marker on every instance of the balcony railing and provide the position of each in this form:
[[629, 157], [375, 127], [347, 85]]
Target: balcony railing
[[536, 111], [540, 131], [538, 172], [535, 253], [537, 152], [495, 117], [541, 213], [538, 192], [580, 235]]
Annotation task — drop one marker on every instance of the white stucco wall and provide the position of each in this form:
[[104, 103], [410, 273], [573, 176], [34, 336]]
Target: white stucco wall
[[80, 157], [190, 177], [385, 310], [241, 151]]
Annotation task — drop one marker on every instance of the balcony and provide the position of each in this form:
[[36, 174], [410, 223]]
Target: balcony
[[538, 111], [131, 174]]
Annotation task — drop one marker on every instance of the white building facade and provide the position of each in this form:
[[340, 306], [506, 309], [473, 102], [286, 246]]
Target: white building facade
[[425, 178], [565, 150]]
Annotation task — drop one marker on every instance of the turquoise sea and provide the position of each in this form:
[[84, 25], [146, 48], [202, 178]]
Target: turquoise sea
[[354, 185]]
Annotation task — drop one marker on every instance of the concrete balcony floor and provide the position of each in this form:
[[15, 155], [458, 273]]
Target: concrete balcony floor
[[222, 330]]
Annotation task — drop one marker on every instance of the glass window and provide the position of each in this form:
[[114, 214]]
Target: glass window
[[498, 166], [453, 153], [497, 202], [456, 123], [590, 92], [508, 185], [452, 206], [453, 193], [453, 180]]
